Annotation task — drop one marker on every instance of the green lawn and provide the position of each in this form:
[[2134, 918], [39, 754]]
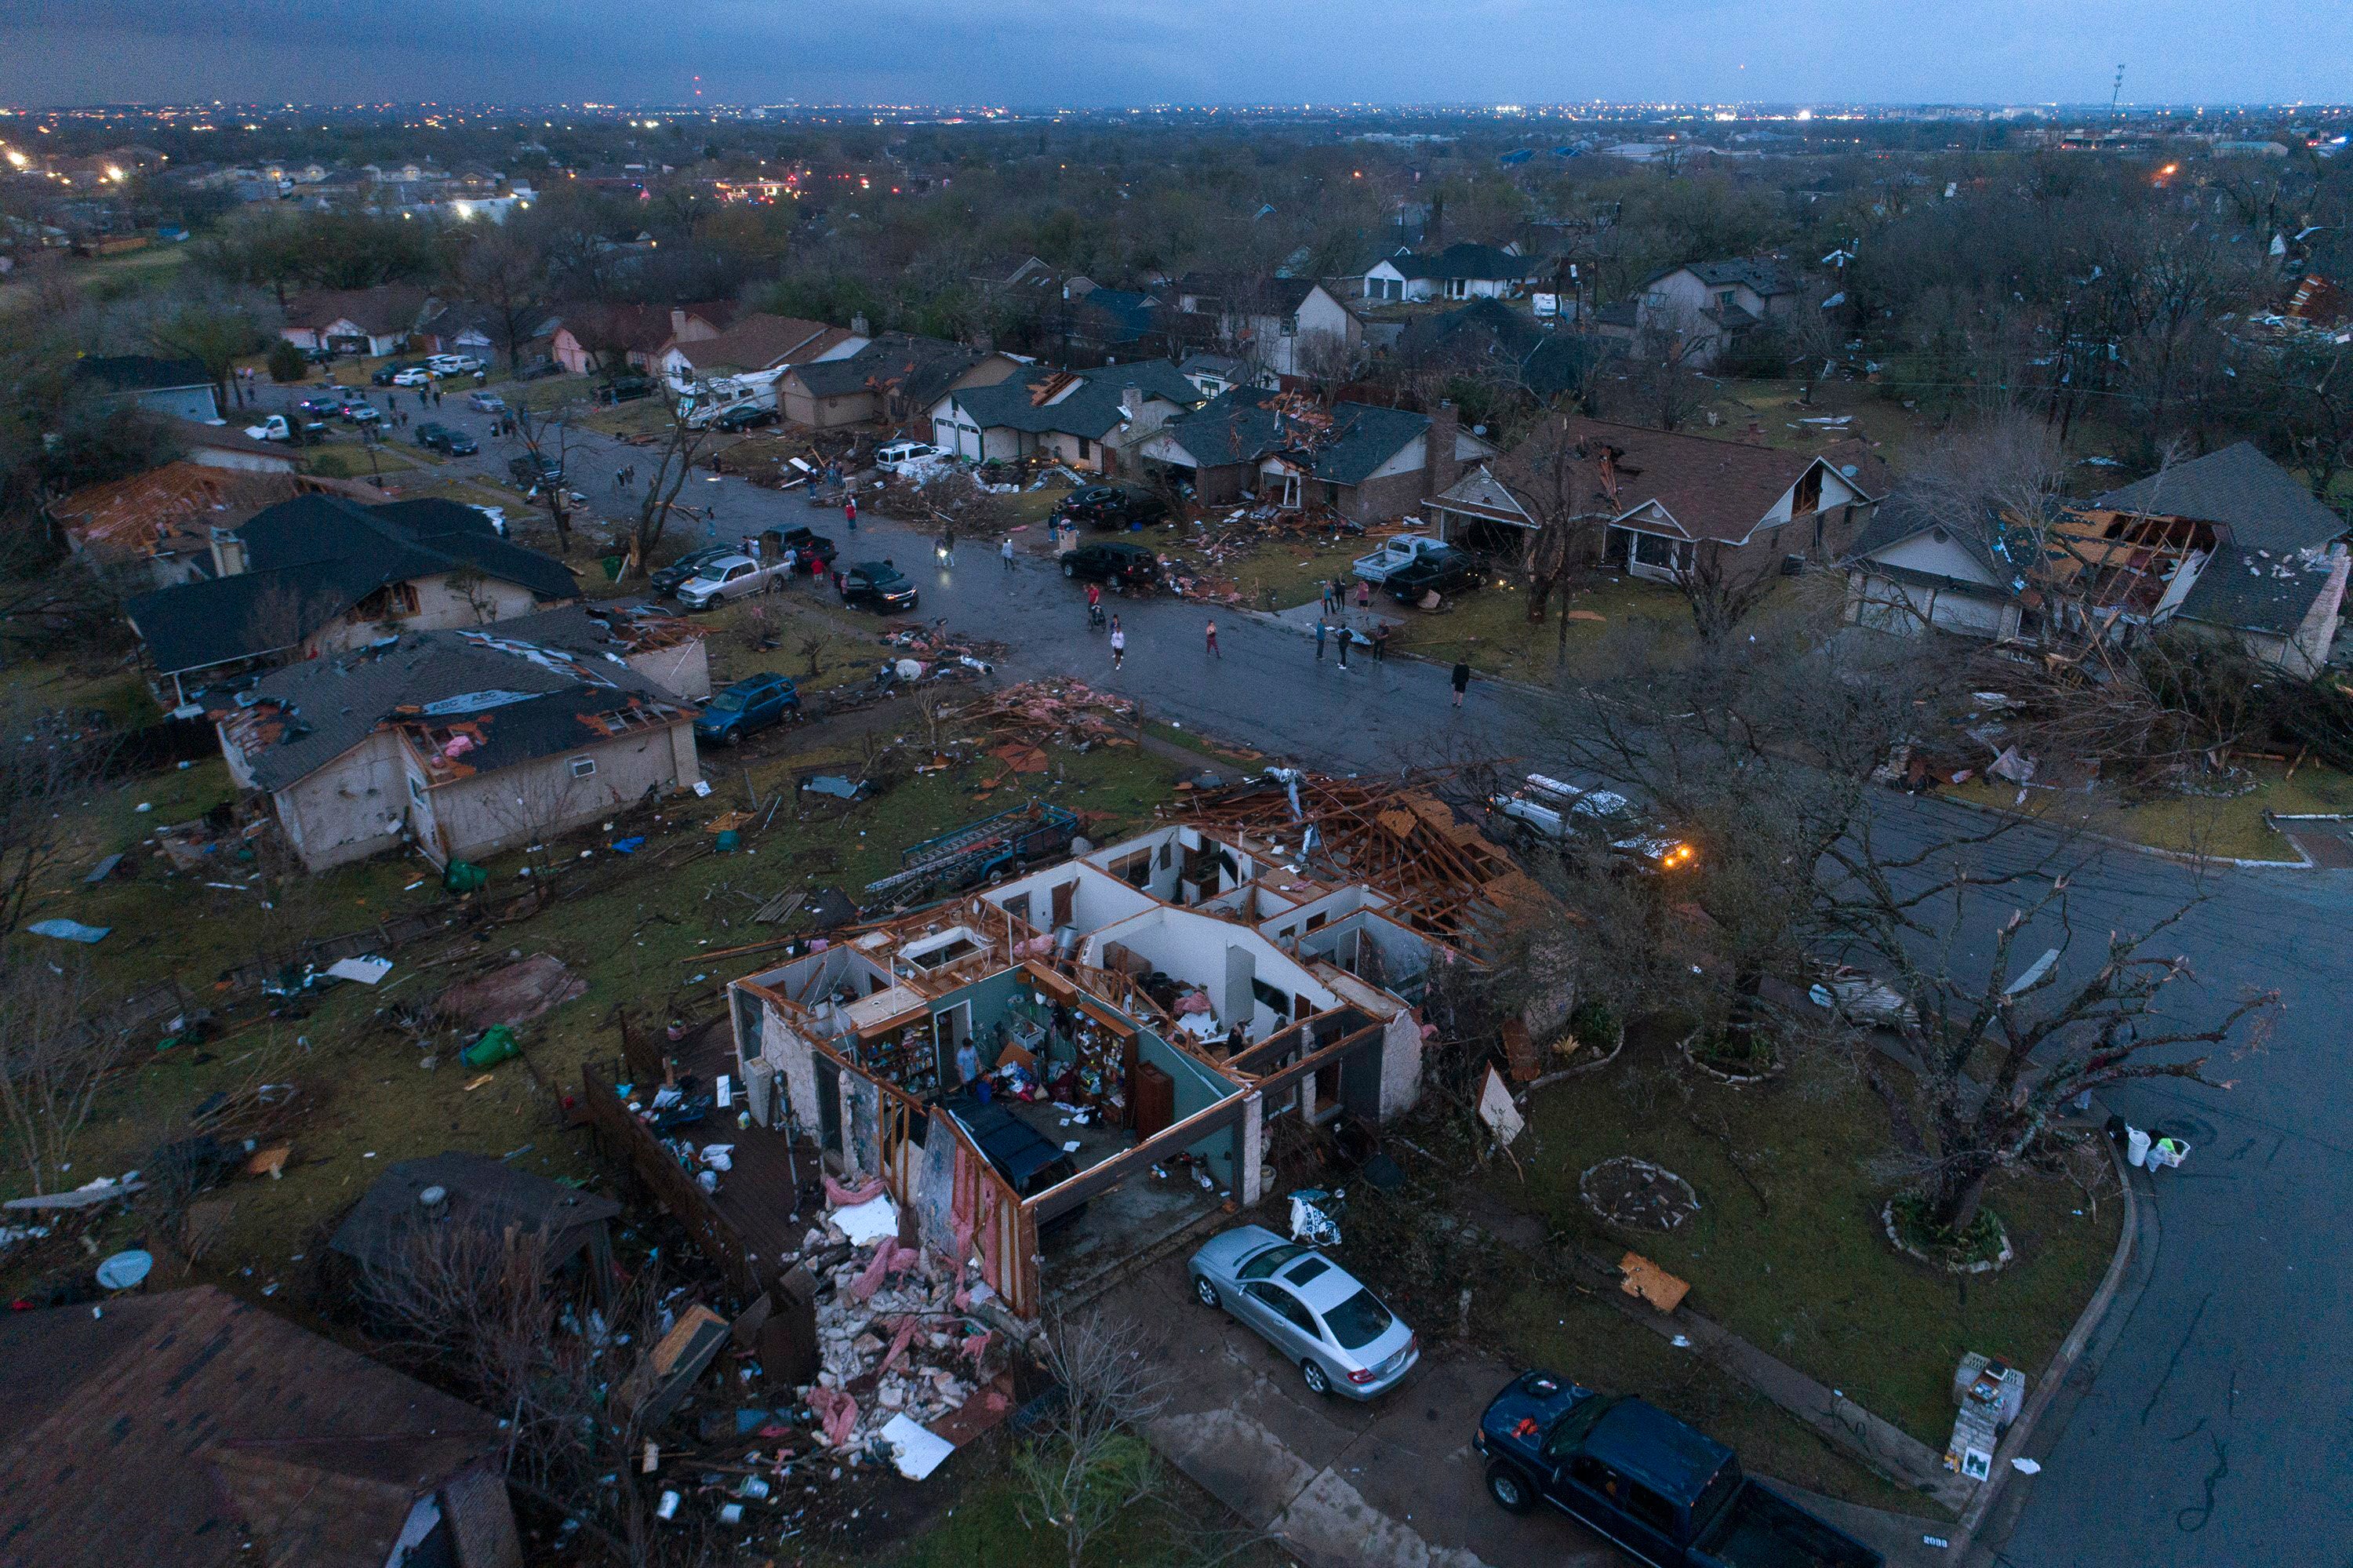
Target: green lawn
[[2231, 827], [1797, 1263], [1491, 631]]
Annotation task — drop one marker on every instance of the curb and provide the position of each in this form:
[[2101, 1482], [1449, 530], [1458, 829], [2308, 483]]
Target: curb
[[2302, 863], [2062, 1362]]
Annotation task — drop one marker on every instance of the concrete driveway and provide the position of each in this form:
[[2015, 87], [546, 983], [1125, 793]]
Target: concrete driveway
[[1389, 1483]]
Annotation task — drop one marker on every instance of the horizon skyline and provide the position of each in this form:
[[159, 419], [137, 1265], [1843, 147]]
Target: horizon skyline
[[1093, 55]]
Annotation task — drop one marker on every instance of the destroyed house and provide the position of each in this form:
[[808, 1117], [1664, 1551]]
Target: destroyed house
[[324, 573], [461, 743], [1085, 418], [1142, 1020], [192, 1429], [2229, 543]]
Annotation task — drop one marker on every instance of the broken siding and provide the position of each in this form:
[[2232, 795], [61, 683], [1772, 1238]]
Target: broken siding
[[354, 807], [481, 815]]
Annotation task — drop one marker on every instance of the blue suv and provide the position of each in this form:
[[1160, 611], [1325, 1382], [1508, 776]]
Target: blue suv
[[747, 707]]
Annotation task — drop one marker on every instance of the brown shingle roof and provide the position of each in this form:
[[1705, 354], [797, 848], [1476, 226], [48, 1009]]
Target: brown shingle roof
[[1712, 488], [764, 342], [382, 311], [175, 1428]]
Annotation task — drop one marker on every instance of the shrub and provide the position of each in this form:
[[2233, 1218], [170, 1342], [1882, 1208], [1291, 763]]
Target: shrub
[[287, 364]]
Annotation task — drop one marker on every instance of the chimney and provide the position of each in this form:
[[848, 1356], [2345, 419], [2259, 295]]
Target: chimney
[[1131, 403], [228, 553], [1443, 466], [677, 321], [858, 327]]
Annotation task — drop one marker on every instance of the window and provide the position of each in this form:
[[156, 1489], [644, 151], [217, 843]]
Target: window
[[1278, 1000], [1270, 1260], [1289, 327], [1307, 1269], [1287, 1306], [416, 788], [582, 767], [1086, 449], [1651, 1509], [1654, 550], [1135, 869], [1358, 1321]]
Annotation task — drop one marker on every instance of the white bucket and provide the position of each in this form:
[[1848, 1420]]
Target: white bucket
[[2136, 1146]]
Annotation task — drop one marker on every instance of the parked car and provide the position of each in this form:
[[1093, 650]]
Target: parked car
[[538, 370], [1443, 570], [486, 403], [386, 374], [747, 707], [1128, 567], [803, 542], [1401, 551], [359, 411], [321, 405], [624, 388], [908, 459], [1112, 506], [276, 427], [444, 439], [416, 376], [534, 469], [878, 586], [744, 417], [665, 579], [1665, 1492], [1547, 810], [1307, 1306], [454, 364], [730, 577]]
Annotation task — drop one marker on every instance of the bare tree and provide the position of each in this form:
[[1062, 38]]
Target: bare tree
[[682, 442], [1092, 1461], [503, 275], [53, 1062], [47, 756], [1723, 585], [546, 433]]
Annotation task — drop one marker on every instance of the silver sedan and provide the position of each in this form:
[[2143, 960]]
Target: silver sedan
[[1309, 1307]]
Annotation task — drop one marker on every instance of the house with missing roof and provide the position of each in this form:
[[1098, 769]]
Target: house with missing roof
[[188, 1427], [1283, 326], [1710, 305], [1463, 271], [1655, 499], [1190, 989], [2229, 543], [324, 573], [460, 743], [1365, 461], [1089, 419]]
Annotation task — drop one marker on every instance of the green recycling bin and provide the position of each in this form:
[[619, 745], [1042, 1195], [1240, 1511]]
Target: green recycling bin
[[464, 876], [496, 1045]]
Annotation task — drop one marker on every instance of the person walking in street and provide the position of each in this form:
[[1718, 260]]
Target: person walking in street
[[1380, 642], [1118, 644], [1328, 607], [1345, 637], [1213, 641], [1320, 629], [850, 512], [1461, 681], [1364, 597], [1095, 606], [947, 545], [1005, 553]]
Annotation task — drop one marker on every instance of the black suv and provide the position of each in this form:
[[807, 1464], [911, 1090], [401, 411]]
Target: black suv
[[744, 417], [1444, 571], [878, 586], [536, 469], [1112, 506], [1129, 567], [623, 388]]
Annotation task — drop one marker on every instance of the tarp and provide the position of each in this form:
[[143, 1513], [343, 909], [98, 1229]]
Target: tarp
[[69, 930]]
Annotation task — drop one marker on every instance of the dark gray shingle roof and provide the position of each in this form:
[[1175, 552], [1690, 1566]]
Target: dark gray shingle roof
[[2264, 506], [1091, 409]]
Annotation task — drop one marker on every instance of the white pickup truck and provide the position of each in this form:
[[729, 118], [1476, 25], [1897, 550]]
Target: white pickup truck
[[1403, 550], [1548, 809], [275, 429], [730, 577]]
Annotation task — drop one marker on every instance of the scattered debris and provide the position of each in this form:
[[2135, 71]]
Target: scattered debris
[[512, 995], [1648, 1283]]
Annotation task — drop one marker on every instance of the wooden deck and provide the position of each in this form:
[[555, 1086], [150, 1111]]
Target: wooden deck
[[755, 1221]]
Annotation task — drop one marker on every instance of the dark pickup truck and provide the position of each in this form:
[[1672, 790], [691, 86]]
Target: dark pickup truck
[[1665, 1492]]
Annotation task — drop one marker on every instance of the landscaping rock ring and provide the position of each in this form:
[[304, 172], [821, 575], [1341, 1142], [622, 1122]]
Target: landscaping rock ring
[[1637, 1195]]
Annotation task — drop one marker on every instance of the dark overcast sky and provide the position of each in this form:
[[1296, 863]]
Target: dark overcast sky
[[1096, 52]]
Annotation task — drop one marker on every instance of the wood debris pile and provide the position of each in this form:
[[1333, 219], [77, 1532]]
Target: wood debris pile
[[1242, 529], [1057, 711], [1447, 880]]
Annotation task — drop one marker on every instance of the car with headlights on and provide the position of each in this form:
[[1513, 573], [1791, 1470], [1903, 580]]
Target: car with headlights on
[[1313, 1311]]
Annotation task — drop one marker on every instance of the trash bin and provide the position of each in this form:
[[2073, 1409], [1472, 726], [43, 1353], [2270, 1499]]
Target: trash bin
[[727, 841], [464, 876], [612, 565], [497, 1044]]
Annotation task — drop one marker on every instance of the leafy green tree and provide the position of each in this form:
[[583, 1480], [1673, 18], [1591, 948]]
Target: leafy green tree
[[287, 364]]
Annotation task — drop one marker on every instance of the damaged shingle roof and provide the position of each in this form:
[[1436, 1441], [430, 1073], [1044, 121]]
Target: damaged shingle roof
[[2252, 590], [1092, 408], [1343, 447], [309, 559], [515, 700], [2264, 505]]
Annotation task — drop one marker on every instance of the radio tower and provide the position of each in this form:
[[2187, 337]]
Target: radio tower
[[2116, 94]]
